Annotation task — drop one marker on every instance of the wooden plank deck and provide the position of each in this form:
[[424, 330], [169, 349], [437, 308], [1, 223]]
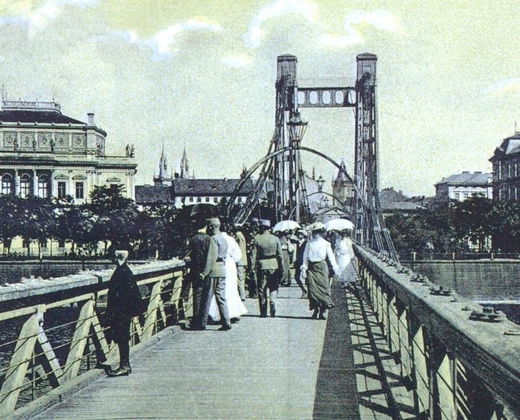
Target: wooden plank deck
[[288, 367]]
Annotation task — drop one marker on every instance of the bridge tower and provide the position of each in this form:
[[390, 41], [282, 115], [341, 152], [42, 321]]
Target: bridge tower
[[290, 198]]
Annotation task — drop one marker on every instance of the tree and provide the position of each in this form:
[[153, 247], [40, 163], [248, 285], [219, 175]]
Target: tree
[[11, 210], [471, 220], [115, 216]]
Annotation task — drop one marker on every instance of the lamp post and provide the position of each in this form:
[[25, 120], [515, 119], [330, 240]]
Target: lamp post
[[297, 128]]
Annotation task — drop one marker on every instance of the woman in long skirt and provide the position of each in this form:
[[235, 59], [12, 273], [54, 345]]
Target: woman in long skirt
[[345, 258], [316, 271]]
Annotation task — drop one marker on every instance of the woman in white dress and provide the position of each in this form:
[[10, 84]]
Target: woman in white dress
[[345, 258], [235, 305]]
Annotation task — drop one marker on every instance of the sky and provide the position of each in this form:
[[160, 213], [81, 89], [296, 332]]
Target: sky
[[200, 74]]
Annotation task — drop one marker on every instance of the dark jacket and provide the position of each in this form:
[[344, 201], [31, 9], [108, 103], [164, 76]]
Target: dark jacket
[[198, 245], [124, 298]]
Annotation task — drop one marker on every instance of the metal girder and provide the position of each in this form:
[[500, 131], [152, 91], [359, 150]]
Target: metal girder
[[326, 97]]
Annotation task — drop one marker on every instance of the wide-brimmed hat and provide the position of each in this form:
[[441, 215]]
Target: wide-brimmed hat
[[315, 227]]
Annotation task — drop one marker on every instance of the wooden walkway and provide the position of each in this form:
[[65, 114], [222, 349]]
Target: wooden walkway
[[288, 367]]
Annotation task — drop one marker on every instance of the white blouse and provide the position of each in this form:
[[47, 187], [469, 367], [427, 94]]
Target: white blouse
[[318, 250]]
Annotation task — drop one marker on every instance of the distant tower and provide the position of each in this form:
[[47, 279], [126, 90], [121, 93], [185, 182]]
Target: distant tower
[[162, 178], [185, 166], [342, 188]]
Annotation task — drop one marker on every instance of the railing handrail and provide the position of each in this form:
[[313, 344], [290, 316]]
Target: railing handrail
[[488, 349], [38, 287], [30, 302]]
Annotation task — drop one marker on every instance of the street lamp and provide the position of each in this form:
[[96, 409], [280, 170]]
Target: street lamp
[[297, 128], [320, 182]]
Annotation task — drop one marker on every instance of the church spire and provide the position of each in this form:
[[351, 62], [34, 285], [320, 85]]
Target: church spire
[[163, 165], [185, 166]]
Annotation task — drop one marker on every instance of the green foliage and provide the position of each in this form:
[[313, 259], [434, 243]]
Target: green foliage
[[453, 226]]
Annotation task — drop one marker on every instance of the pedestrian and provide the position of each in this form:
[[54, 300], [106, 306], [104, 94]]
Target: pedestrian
[[198, 246], [288, 257], [267, 259], [315, 270], [345, 258], [235, 306], [124, 301], [214, 276], [302, 242], [242, 263]]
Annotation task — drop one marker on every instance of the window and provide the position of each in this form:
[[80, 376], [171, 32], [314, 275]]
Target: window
[[199, 199], [25, 186], [215, 199], [7, 183], [207, 199], [457, 196], [42, 186], [79, 190], [191, 199], [62, 189], [465, 195]]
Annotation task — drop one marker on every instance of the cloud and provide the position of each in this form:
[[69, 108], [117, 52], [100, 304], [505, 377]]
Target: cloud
[[254, 36], [503, 86], [164, 42], [37, 18], [166, 39], [378, 19], [238, 60]]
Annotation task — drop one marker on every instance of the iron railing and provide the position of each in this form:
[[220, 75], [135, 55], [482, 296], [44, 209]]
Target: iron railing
[[461, 360], [54, 330]]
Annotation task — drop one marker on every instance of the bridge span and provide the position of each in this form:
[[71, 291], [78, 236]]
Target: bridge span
[[400, 347]]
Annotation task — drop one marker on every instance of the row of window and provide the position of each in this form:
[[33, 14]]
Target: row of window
[[464, 195], [208, 199], [504, 170], [508, 192], [43, 187]]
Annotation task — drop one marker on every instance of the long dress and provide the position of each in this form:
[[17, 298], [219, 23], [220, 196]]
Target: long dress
[[235, 305], [346, 261], [317, 252]]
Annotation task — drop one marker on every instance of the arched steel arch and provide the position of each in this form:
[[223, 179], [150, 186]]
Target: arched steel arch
[[272, 155], [330, 195]]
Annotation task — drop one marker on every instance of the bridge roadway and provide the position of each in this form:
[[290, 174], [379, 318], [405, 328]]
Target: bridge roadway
[[288, 367]]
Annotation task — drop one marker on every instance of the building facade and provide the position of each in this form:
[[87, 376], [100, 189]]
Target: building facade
[[506, 169], [45, 153], [466, 184], [342, 189], [179, 189]]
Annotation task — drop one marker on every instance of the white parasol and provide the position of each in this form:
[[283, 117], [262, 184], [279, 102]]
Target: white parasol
[[339, 224], [284, 225]]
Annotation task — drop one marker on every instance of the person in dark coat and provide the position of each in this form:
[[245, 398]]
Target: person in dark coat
[[124, 301], [198, 246]]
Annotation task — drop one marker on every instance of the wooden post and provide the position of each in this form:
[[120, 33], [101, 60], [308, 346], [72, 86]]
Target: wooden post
[[15, 375], [79, 340], [151, 313]]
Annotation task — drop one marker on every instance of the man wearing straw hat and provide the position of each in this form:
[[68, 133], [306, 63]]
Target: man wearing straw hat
[[268, 260]]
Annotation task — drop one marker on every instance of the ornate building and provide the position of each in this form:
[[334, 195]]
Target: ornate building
[[506, 169], [45, 153]]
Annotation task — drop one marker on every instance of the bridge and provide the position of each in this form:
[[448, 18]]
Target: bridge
[[400, 347], [397, 347]]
